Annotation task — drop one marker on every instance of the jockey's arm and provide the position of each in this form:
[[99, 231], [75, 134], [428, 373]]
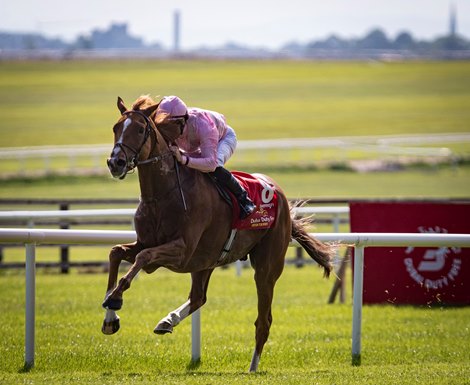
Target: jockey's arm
[[206, 159]]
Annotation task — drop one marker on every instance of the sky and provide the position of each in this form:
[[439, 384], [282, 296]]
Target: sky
[[256, 23]]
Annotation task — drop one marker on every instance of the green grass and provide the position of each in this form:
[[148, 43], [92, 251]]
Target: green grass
[[310, 341], [73, 102], [48, 102]]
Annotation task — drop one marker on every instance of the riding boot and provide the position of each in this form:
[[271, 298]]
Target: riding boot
[[226, 178]]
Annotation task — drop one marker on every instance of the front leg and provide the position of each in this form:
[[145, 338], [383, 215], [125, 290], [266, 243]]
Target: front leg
[[118, 253], [111, 323], [170, 255]]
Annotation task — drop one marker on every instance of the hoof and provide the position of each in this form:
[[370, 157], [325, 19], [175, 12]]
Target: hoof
[[110, 327], [163, 328], [112, 303]]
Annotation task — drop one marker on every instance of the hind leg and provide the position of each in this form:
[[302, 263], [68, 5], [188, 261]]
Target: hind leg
[[268, 263], [197, 298]]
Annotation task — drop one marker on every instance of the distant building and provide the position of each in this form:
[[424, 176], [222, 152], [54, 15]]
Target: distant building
[[29, 41], [116, 36]]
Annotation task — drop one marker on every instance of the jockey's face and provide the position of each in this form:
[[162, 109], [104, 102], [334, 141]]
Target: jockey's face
[[179, 123]]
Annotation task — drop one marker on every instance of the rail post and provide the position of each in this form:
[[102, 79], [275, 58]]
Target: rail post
[[30, 305], [196, 336], [357, 305], [64, 249]]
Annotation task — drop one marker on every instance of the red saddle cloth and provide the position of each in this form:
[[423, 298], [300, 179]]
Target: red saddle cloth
[[263, 195]]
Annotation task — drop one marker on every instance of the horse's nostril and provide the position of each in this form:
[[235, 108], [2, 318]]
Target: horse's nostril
[[121, 163]]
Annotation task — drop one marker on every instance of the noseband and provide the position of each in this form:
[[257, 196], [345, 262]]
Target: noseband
[[134, 162]]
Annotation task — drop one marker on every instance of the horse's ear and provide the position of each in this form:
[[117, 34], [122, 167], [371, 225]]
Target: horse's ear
[[120, 105], [150, 110]]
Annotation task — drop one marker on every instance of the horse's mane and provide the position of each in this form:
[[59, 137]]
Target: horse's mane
[[143, 102], [162, 122]]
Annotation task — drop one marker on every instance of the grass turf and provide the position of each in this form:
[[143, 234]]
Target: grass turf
[[48, 102], [309, 341]]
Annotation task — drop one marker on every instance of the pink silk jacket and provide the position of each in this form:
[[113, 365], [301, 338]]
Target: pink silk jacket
[[201, 135]]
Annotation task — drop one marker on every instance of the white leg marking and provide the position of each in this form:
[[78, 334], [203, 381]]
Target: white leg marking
[[178, 315], [254, 362], [110, 315]]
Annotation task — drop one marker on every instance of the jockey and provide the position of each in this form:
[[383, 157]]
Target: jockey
[[204, 142]]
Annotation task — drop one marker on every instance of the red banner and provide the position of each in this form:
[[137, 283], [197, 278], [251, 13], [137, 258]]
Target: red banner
[[412, 275]]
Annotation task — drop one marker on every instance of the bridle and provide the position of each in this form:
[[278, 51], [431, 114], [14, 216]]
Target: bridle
[[133, 162]]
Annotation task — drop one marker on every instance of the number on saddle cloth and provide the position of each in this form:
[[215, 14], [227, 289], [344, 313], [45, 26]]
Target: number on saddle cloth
[[260, 192]]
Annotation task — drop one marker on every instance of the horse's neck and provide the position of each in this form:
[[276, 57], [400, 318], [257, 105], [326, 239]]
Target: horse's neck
[[156, 180]]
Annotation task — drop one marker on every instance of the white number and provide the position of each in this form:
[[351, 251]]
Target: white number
[[267, 194]]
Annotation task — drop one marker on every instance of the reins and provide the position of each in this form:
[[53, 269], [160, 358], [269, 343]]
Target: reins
[[177, 168], [155, 159]]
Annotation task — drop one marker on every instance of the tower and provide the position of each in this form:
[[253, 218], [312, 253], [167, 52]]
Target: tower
[[176, 31], [453, 21]]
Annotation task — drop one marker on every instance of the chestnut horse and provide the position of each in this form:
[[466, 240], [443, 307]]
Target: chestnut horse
[[182, 223]]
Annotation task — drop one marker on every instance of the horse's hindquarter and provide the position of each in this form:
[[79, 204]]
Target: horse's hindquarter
[[278, 236], [275, 242], [268, 241]]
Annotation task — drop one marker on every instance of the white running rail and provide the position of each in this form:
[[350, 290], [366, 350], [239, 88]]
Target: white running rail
[[32, 237], [94, 155]]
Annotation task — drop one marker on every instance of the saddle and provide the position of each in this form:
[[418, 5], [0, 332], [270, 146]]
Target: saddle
[[263, 195]]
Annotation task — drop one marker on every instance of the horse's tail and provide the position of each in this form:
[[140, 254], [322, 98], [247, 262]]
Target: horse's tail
[[322, 253]]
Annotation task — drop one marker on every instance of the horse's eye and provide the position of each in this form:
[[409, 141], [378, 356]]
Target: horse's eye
[[141, 130]]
